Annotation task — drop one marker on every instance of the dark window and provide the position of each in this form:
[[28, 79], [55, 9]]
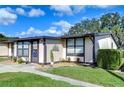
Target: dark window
[[70, 46], [20, 48], [75, 47], [23, 49]]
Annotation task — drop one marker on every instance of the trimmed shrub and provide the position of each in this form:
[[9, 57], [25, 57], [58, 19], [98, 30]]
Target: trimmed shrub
[[20, 61], [122, 58], [122, 61], [63, 60], [14, 59], [109, 59], [122, 53]]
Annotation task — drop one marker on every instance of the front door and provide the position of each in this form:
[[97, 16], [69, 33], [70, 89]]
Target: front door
[[35, 53]]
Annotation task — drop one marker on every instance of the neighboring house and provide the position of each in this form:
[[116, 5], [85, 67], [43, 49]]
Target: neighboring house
[[37, 49]]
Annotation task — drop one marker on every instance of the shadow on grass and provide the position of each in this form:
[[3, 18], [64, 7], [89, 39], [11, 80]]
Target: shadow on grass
[[119, 77]]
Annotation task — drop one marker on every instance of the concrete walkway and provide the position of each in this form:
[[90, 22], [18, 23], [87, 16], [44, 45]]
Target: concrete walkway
[[32, 69]]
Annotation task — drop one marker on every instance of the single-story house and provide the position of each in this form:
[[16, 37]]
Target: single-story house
[[38, 49]]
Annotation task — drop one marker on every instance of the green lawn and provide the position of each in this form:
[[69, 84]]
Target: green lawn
[[93, 75], [22, 79], [3, 59]]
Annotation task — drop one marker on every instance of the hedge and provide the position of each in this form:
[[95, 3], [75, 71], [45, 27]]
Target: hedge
[[122, 58], [111, 59]]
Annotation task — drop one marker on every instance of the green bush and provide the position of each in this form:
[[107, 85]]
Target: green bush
[[109, 58], [63, 60], [122, 62], [20, 61], [122, 53], [14, 59], [122, 58]]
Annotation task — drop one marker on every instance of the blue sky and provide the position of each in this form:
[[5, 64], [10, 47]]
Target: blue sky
[[51, 20]]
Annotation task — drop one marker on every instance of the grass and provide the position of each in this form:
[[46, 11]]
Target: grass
[[23, 79], [92, 75], [3, 59]]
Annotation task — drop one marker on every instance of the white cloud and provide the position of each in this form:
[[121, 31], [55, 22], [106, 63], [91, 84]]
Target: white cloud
[[78, 8], [9, 9], [7, 17], [64, 25], [85, 17], [53, 31], [36, 32], [22, 33], [20, 11], [2, 33], [31, 31], [36, 13], [62, 9], [66, 9]]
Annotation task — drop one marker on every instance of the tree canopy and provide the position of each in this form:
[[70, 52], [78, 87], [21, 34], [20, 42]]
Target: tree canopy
[[110, 22], [3, 37]]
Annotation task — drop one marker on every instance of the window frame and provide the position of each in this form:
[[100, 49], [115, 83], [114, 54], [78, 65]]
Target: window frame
[[75, 46], [23, 49], [70, 46]]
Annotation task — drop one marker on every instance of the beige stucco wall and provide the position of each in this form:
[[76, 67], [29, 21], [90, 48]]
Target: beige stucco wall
[[104, 42], [10, 50], [88, 50], [63, 48], [4, 50], [15, 49], [29, 59], [50, 43], [41, 51]]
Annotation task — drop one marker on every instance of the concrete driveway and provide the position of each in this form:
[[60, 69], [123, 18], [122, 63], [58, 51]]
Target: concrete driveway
[[33, 69]]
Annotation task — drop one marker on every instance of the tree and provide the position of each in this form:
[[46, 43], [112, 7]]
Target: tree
[[105, 29], [122, 23], [85, 26], [110, 22], [2, 36]]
